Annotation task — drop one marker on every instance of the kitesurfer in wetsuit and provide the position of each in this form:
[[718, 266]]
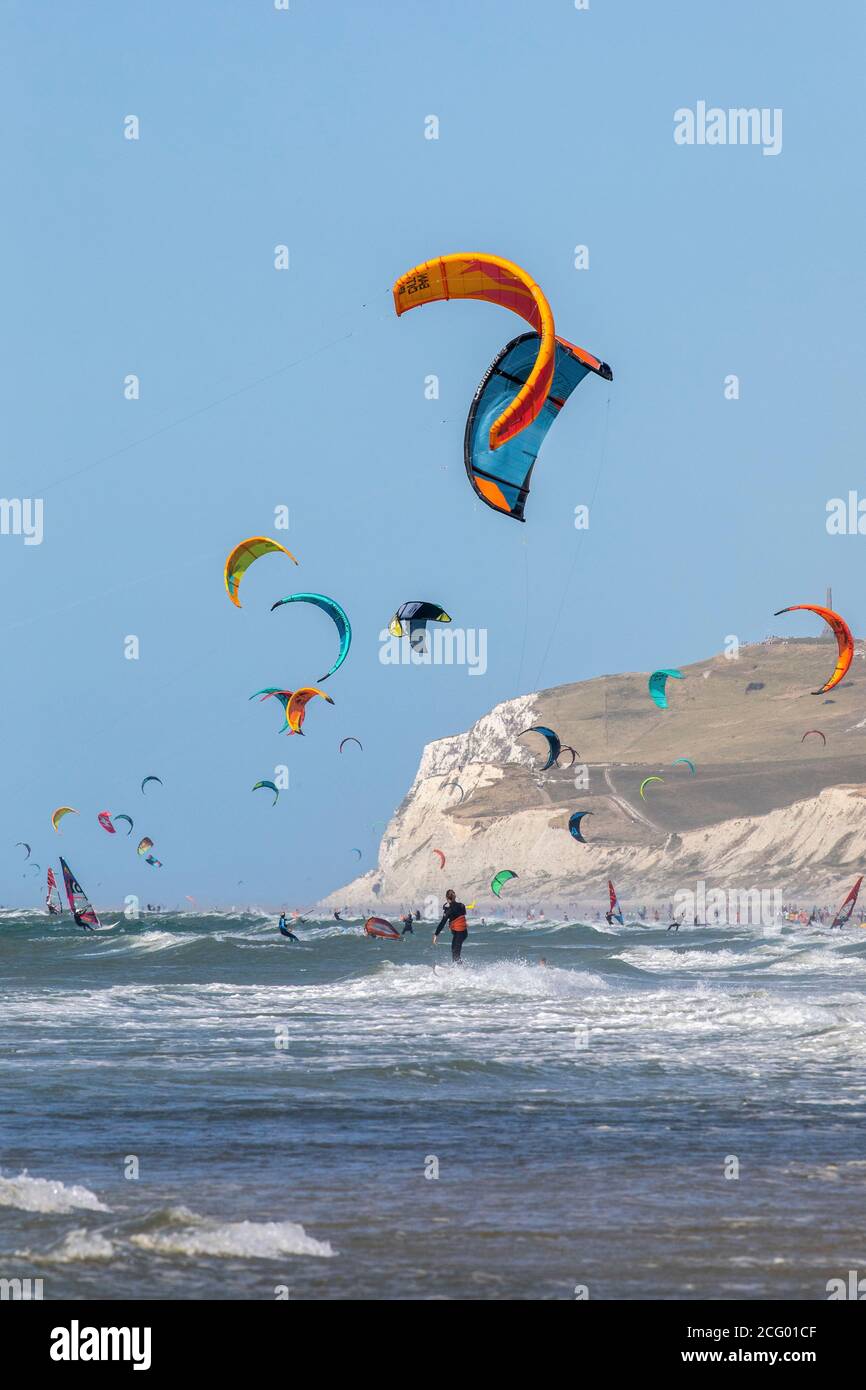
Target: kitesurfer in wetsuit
[[675, 925], [284, 929], [454, 913], [417, 915], [337, 917], [407, 925]]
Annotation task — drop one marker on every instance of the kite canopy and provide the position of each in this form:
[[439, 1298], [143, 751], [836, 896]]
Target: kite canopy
[[441, 858], [271, 787], [156, 863], [499, 880], [284, 696], [842, 633], [144, 845], [336, 613], [501, 476], [574, 824], [104, 819], [378, 926], [126, 818], [243, 556], [566, 747], [687, 761], [351, 739], [416, 614], [554, 747], [645, 781], [297, 707], [24, 845], [474, 275], [814, 731], [151, 778], [57, 816], [657, 683]]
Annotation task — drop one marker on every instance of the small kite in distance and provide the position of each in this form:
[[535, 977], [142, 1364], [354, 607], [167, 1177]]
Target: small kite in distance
[[271, 787], [351, 739], [57, 816], [574, 824], [646, 782], [554, 747], [297, 707], [336, 613], [842, 633], [499, 880], [657, 683], [416, 614], [814, 731], [151, 778], [243, 556]]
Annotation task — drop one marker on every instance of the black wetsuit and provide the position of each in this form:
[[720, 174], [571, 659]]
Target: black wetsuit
[[455, 915], [285, 931], [407, 925]]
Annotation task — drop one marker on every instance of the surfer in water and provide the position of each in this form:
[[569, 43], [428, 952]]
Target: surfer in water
[[454, 913], [407, 924], [284, 931], [337, 917]]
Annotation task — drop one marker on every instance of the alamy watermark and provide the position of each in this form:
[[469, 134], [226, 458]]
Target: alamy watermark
[[739, 125], [22, 516], [444, 646], [731, 907]]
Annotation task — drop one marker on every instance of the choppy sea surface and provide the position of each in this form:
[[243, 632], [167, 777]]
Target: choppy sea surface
[[192, 1107]]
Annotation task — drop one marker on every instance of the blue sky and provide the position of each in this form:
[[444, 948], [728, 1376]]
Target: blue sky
[[302, 388]]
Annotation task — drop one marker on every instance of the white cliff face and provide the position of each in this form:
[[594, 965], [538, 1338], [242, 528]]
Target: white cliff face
[[807, 849]]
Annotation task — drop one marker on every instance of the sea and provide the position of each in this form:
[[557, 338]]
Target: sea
[[192, 1107]]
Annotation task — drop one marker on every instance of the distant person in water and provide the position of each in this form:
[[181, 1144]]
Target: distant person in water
[[454, 913], [284, 929], [337, 917], [407, 925], [675, 925], [608, 917], [417, 915]]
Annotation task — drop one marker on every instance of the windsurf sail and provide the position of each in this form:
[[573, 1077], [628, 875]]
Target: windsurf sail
[[52, 899], [615, 909], [847, 907], [79, 904]]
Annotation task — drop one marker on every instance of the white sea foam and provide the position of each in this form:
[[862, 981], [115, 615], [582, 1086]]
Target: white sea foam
[[46, 1195], [248, 1240]]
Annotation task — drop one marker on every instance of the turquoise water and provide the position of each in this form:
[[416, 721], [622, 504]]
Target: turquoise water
[[285, 1108]]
